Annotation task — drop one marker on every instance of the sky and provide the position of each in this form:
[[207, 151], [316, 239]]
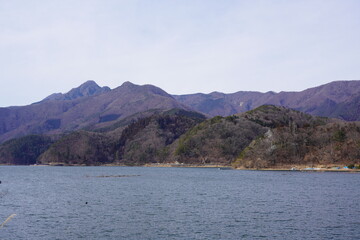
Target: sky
[[181, 46]]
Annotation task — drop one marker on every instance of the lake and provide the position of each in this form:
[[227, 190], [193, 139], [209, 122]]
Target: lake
[[177, 203]]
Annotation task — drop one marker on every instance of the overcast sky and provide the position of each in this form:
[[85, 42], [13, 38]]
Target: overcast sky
[[181, 46]]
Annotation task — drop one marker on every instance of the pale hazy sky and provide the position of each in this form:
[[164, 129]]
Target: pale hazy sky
[[182, 46]]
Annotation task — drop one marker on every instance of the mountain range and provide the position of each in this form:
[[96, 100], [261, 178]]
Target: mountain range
[[266, 137], [90, 106], [87, 106], [339, 99], [138, 125]]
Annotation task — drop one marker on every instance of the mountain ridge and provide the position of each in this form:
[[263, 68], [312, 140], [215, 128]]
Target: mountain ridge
[[88, 88], [91, 106], [56, 116], [313, 100], [266, 137]]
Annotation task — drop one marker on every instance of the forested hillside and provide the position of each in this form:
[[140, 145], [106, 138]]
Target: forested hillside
[[266, 137]]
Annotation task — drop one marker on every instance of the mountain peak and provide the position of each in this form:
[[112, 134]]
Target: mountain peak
[[89, 83], [88, 88], [147, 88], [127, 84]]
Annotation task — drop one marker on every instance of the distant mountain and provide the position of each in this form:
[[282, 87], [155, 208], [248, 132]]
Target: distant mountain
[[339, 99], [348, 110], [222, 104], [87, 106], [86, 89], [92, 107]]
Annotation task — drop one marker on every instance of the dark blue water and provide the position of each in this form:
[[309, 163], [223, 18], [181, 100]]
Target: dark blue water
[[177, 203]]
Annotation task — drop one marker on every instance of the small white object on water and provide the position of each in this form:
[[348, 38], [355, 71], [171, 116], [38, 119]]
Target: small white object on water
[[8, 219]]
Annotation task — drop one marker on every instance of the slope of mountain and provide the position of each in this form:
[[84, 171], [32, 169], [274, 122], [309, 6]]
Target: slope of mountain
[[266, 137], [218, 140], [80, 148], [92, 107], [83, 109], [348, 110], [141, 142], [24, 150], [301, 141], [221, 140], [221, 104], [326, 100]]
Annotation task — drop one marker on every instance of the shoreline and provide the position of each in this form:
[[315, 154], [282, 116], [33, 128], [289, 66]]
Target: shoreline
[[186, 165], [220, 167], [305, 169]]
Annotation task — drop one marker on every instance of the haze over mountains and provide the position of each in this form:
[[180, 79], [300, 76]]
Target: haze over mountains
[[91, 106]]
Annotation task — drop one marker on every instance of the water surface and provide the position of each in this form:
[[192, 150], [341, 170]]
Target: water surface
[[177, 203]]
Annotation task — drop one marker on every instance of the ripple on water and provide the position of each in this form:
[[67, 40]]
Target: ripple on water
[[173, 203]]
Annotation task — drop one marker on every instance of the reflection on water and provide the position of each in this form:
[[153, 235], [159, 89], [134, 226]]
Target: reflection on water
[[176, 203]]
